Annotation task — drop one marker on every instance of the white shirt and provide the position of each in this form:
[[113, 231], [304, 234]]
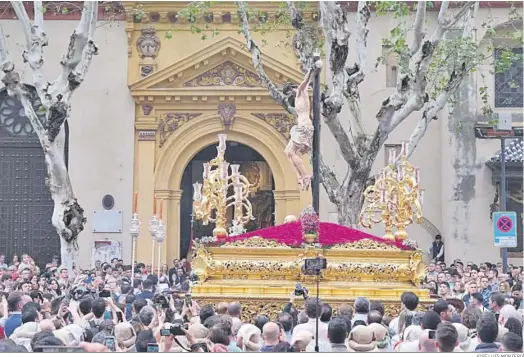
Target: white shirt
[[311, 327]]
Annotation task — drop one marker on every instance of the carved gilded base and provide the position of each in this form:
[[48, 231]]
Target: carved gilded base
[[271, 307], [262, 273]]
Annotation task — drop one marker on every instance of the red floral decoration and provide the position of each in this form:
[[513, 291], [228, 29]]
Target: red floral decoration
[[309, 221], [330, 234]]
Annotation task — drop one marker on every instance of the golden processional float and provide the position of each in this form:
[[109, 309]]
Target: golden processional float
[[260, 269]]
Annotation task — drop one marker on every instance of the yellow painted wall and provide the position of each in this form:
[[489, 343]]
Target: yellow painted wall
[[159, 164]]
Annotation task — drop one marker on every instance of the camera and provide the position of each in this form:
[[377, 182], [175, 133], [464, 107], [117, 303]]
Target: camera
[[432, 334], [176, 329], [314, 266], [299, 290], [104, 294], [78, 293], [161, 301]]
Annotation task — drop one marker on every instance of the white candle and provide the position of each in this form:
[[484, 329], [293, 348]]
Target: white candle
[[238, 193], [222, 142], [392, 156], [417, 176], [197, 194], [224, 170], [207, 170], [235, 169], [421, 196]]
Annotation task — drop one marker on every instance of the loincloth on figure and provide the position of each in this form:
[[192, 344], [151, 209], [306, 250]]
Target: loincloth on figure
[[301, 139]]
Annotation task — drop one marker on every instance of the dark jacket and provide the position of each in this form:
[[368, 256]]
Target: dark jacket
[[145, 295], [170, 274], [487, 347]]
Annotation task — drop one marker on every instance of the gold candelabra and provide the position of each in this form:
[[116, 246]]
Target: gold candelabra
[[211, 198], [395, 199]]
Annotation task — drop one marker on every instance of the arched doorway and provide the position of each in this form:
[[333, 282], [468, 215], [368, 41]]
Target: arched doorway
[[252, 165], [26, 206]]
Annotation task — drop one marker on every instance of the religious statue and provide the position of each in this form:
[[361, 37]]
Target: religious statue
[[301, 135]]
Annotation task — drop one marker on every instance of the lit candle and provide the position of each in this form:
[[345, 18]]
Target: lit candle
[[160, 210], [197, 194], [224, 170], [207, 169], [135, 202], [154, 205]]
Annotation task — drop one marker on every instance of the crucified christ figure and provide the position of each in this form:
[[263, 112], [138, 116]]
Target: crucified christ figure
[[301, 134]]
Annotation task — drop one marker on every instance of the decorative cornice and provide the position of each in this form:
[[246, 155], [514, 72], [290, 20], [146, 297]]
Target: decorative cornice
[[170, 122], [283, 122]]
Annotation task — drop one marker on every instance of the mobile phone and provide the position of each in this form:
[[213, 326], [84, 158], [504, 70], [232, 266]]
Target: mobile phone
[[431, 334], [152, 347], [109, 342], [119, 316], [188, 300]]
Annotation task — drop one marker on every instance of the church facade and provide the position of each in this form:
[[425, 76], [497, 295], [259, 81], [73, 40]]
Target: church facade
[[152, 105]]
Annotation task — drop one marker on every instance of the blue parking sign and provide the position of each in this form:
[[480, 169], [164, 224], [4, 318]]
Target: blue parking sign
[[505, 229]]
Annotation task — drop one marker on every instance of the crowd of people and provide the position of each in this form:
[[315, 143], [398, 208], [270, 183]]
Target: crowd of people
[[115, 307]]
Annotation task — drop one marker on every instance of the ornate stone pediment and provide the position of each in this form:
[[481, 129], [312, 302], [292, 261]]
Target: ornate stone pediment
[[227, 73], [223, 65]]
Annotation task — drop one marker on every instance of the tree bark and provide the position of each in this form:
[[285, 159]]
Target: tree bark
[[68, 216]]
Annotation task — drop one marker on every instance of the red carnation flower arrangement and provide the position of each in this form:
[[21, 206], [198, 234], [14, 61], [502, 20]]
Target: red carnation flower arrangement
[[309, 221]]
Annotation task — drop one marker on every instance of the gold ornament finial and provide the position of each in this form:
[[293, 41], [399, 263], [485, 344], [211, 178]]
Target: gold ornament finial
[[395, 198], [211, 199]]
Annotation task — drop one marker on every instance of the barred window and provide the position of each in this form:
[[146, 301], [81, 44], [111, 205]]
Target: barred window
[[508, 84]]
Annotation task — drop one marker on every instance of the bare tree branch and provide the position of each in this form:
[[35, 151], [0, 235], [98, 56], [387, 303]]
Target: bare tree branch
[[36, 40], [256, 57], [435, 106], [76, 77], [356, 73], [77, 43], [417, 83], [418, 27], [21, 13], [39, 15], [305, 41], [330, 182], [335, 25]]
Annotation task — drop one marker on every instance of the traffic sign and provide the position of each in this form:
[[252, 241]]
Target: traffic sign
[[505, 229]]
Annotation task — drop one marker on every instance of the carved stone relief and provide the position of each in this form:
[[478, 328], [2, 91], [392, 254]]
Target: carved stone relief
[[226, 74], [227, 113], [280, 121], [148, 44], [170, 122]]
